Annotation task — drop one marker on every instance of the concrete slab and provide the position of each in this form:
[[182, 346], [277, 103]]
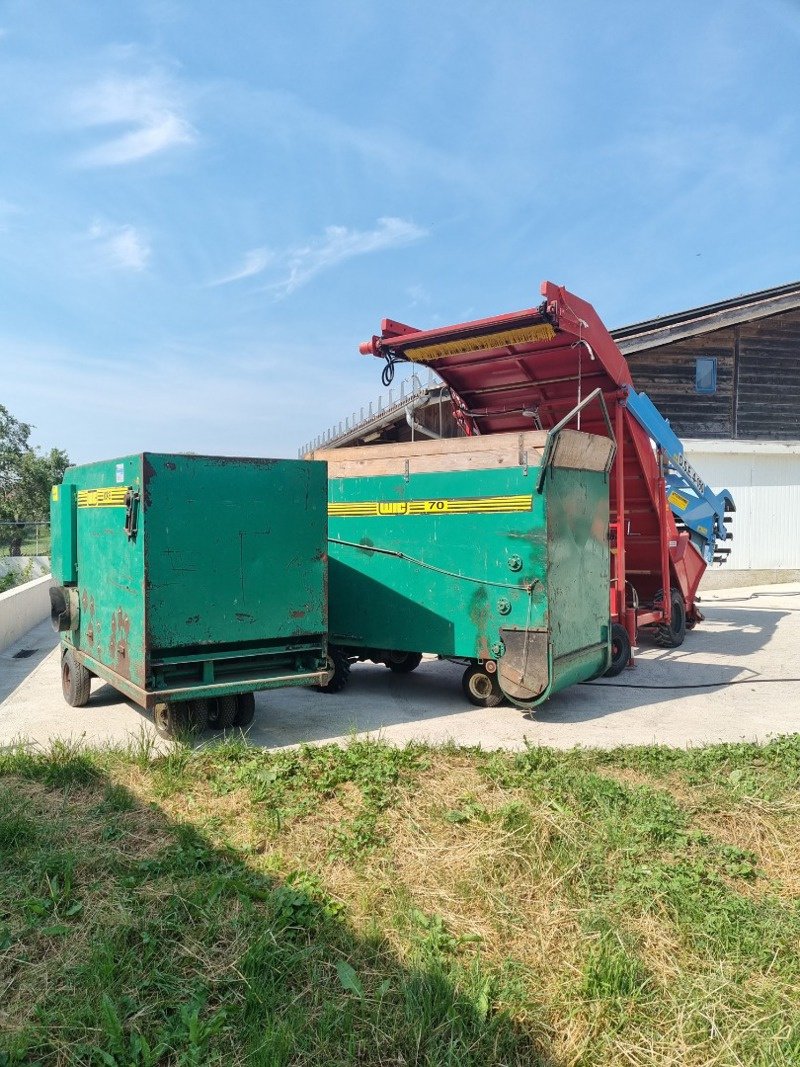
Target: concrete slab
[[750, 636]]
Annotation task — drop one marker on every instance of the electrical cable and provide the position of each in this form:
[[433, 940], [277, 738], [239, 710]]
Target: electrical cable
[[392, 359], [529, 588], [696, 685]]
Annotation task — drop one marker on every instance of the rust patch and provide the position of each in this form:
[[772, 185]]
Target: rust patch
[[170, 465], [298, 614], [243, 616], [479, 613], [118, 643], [193, 619]]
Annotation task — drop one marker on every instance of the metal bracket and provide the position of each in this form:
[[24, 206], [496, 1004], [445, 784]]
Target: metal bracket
[[131, 514], [596, 394]]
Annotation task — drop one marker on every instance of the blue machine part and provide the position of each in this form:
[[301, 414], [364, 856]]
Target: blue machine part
[[701, 510]]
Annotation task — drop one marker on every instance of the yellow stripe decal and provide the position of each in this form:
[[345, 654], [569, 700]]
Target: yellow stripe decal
[[442, 506], [522, 335], [111, 497]]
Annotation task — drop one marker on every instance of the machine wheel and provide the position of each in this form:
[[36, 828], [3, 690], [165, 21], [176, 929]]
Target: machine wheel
[[620, 651], [172, 719], [403, 662], [222, 713], [199, 711], [341, 672], [480, 687], [671, 635], [76, 680], [245, 709]]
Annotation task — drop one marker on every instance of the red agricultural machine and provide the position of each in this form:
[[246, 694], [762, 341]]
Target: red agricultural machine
[[554, 365]]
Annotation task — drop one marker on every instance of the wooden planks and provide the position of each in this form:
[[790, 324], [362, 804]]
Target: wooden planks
[[769, 378], [425, 457]]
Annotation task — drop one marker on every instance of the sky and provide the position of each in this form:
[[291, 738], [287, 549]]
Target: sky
[[204, 207]]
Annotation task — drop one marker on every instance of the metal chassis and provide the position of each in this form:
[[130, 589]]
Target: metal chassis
[[148, 698]]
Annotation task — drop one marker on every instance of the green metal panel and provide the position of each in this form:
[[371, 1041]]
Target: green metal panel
[[235, 549], [454, 585], [63, 524], [476, 564], [221, 585], [110, 567], [578, 573]]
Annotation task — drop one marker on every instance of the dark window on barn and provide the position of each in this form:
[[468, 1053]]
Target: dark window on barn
[[705, 374]]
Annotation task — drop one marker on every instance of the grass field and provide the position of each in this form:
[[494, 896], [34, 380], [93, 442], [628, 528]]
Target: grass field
[[371, 905]]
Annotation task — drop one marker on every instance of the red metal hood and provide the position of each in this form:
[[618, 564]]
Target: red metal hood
[[502, 369]]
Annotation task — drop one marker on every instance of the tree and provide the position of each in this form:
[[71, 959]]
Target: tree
[[26, 478]]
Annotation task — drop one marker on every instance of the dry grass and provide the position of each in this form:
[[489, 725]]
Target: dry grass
[[591, 913]]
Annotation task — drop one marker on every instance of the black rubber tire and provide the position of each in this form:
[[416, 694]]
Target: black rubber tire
[[199, 711], [76, 680], [403, 662], [223, 714], [620, 651], [172, 719], [481, 688], [341, 672], [671, 635], [245, 710]]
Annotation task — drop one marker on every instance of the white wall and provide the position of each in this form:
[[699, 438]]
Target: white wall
[[764, 480], [22, 608]]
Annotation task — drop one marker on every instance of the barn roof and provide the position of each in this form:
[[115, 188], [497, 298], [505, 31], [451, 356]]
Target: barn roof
[[680, 324]]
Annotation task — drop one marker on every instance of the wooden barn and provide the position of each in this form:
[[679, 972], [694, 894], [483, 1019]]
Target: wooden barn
[[726, 375]]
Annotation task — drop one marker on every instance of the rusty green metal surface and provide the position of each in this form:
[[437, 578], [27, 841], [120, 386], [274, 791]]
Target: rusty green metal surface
[[220, 588], [476, 565]]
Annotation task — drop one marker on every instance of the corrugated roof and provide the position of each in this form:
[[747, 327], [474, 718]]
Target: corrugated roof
[[680, 324]]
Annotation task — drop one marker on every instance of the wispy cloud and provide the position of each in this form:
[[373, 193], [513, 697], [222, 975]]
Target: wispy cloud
[[121, 247], [254, 262], [337, 244], [144, 116]]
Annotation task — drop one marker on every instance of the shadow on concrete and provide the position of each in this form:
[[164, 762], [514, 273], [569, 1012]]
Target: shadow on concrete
[[728, 647], [728, 632], [20, 660]]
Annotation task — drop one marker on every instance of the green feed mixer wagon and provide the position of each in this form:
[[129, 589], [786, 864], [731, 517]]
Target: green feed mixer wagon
[[190, 582], [492, 551]]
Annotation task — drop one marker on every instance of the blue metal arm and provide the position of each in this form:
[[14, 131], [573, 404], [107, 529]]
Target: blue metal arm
[[700, 509]]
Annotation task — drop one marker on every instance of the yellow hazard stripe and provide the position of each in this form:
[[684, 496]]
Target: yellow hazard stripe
[[110, 497], [519, 336], [678, 500], [440, 506]]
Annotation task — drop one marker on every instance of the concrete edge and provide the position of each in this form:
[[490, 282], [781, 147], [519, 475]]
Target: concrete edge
[[23, 607]]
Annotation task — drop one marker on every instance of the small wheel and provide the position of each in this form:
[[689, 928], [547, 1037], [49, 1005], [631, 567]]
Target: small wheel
[[341, 672], [671, 634], [480, 687], [620, 651], [199, 711], [76, 680], [403, 662], [245, 709], [222, 715], [172, 719]]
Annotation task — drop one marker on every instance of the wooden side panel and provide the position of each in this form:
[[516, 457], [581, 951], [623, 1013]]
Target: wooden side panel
[[667, 375], [431, 456], [769, 378]]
